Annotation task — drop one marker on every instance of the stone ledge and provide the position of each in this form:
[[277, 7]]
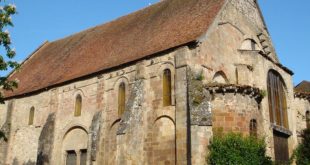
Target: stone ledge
[[232, 88], [276, 63], [248, 51], [302, 95], [268, 58], [281, 129]]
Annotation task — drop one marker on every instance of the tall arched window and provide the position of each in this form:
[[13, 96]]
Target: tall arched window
[[167, 88], [31, 116], [308, 119], [277, 99], [253, 128], [121, 99], [78, 105]]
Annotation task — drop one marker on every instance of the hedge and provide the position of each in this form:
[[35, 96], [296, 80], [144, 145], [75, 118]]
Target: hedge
[[234, 149], [302, 153]]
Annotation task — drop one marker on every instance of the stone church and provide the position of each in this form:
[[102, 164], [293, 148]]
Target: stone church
[[153, 87]]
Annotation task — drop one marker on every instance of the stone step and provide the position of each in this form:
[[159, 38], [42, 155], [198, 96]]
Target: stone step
[[267, 53], [262, 40], [261, 37]]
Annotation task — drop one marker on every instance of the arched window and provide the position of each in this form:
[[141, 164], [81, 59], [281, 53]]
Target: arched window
[[220, 77], [75, 144], [167, 88], [253, 128], [308, 119], [277, 99], [78, 105], [31, 116], [249, 44], [121, 99]]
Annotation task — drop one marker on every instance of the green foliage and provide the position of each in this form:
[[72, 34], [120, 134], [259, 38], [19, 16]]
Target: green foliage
[[302, 153], [263, 93], [6, 62], [199, 76], [235, 149]]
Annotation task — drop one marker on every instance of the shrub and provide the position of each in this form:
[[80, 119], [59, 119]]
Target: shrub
[[302, 153], [199, 76], [234, 149]]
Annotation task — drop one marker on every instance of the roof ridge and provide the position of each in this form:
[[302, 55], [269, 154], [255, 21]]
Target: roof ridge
[[302, 82]]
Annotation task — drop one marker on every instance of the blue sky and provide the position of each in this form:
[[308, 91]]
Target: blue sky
[[40, 20]]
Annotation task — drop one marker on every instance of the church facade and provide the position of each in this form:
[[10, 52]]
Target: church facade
[[153, 87]]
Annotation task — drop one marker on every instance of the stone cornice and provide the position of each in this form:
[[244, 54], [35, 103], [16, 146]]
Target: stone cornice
[[233, 88], [302, 95], [281, 129]]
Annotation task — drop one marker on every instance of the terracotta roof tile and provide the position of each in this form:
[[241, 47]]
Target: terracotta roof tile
[[303, 87], [154, 29]]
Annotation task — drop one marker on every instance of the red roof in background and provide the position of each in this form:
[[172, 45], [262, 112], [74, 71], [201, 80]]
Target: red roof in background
[[165, 25], [303, 87]]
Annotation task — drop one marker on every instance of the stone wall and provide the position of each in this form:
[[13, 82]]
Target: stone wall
[[233, 113], [244, 67], [301, 106], [119, 139], [65, 121], [6, 116], [23, 134], [147, 127], [46, 141]]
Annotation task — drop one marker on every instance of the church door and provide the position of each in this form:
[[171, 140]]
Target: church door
[[281, 148]]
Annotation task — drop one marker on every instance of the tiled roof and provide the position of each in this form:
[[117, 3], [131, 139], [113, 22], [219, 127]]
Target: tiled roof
[[159, 27], [303, 87]]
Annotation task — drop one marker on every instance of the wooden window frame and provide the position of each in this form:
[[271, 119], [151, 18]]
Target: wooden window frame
[[167, 87], [253, 127], [121, 99], [31, 116], [73, 153], [82, 152], [78, 105], [277, 99]]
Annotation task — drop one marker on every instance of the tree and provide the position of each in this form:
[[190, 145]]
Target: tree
[[302, 153], [6, 61]]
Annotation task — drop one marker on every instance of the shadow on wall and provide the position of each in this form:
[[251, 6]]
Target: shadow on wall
[[46, 140], [29, 162], [41, 159], [3, 146]]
